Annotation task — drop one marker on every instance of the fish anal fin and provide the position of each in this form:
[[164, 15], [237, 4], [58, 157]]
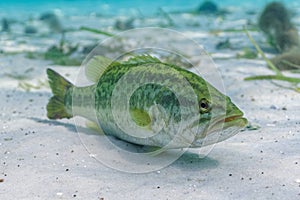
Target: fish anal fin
[[154, 151], [94, 126]]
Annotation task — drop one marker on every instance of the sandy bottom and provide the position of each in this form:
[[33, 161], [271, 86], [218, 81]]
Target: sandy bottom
[[44, 159]]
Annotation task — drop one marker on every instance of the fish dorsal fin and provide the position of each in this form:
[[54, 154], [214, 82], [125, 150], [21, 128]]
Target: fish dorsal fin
[[142, 59], [96, 66]]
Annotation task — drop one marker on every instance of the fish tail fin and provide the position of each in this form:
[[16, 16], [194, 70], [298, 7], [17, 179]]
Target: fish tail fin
[[59, 86]]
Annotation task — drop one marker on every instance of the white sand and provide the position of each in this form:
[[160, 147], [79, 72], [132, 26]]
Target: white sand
[[44, 159]]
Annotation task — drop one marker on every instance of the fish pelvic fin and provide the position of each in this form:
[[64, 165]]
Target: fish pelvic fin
[[59, 86]]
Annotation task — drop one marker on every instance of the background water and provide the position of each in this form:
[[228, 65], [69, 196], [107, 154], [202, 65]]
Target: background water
[[19, 8]]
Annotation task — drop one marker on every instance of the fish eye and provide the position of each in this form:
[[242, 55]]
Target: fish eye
[[204, 105]]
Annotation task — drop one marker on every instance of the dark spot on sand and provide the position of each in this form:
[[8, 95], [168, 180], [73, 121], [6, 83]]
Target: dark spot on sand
[[273, 107]]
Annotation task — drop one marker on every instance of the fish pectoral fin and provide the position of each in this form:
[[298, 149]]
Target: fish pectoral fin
[[94, 126], [96, 66], [140, 117]]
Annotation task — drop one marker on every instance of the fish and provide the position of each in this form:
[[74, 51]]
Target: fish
[[147, 102]]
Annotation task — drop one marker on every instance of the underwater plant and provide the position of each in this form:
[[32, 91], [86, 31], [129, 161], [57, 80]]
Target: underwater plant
[[226, 44], [29, 86], [5, 25], [278, 74], [247, 53], [166, 15], [124, 25], [208, 7], [97, 31], [30, 29], [275, 22], [52, 21], [60, 54], [287, 61]]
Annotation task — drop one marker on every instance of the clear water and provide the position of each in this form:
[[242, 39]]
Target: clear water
[[19, 8]]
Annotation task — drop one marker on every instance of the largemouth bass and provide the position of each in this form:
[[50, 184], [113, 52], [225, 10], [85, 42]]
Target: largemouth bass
[[147, 102]]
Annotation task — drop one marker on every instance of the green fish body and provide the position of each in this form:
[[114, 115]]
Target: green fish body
[[147, 102]]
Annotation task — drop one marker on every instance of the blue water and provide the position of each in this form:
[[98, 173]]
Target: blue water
[[120, 7]]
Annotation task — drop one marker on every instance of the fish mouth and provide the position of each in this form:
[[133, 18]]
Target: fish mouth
[[220, 128], [234, 118], [223, 128], [226, 122]]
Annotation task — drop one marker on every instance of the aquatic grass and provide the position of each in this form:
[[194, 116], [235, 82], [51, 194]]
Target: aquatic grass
[[57, 59], [263, 55], [29, 86], [278, 74], [97, 31], [247, 53], [16, 76], [225, 44], [60, 54], [274, 77], [32, 55], [290, 64], [232, 30], [167, 16], [295, 71]]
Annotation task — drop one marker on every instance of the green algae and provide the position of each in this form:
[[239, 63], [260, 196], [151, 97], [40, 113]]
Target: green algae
[[29, 86], [278, 74], [247, 53], [60, 54], [97, 31]]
